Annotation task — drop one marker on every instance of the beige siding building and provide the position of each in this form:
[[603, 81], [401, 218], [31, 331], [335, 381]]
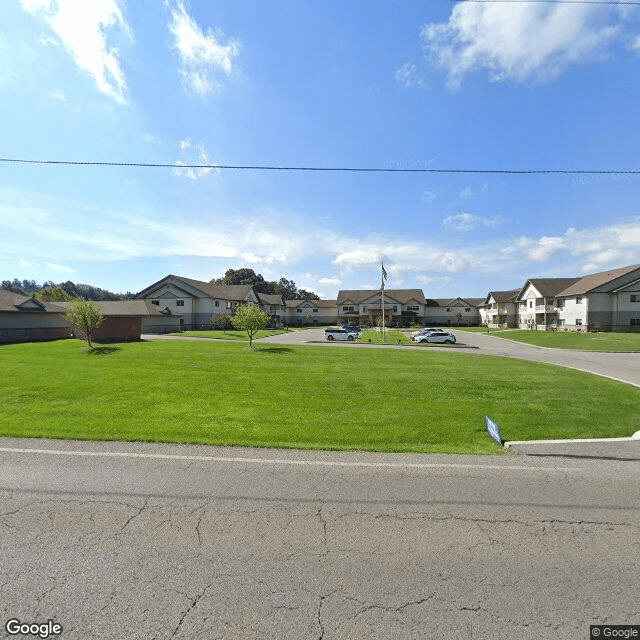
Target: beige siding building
[[25, 319]]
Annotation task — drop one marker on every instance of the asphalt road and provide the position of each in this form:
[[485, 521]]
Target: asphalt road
[[115, 540]]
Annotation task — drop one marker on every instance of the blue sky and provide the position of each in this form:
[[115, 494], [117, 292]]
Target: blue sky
[[392, 84]]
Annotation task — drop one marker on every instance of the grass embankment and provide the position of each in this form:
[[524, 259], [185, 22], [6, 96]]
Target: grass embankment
[[304, 397], [602, 341]]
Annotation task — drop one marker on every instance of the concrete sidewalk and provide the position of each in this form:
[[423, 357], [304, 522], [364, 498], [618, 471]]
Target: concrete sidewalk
[[602, 448]]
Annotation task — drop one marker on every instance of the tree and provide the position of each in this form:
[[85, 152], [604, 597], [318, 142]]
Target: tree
[[303, 294], [251, 318], [85, 314], [52, 294], [283, 287]]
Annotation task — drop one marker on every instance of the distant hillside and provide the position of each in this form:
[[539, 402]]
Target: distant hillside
[[86, 291]]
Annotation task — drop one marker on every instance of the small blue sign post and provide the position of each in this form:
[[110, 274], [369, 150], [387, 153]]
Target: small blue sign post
[[494, 430]]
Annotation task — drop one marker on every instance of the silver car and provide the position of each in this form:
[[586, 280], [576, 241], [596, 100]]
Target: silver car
[[424, 331], [334, 333], [437, 336]]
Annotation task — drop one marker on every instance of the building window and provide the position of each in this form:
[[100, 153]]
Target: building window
[[634, 298], [315, 311], [216, 303], [395, 309], [578, 322], [530, 304], [179, 303], [560, 304], [156, 302], [299, 310], [448, 309], [467, 309], [579, 300], [413, 308], [347, 309]]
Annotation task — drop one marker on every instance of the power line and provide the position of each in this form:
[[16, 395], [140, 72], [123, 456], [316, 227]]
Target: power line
[[157, 165]]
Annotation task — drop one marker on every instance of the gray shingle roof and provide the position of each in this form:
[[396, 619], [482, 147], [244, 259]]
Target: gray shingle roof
[[267, 298], [231, 292], [503, 296], [549, 287], [113, 308], [400, 295], [12, 302], [595, 280]]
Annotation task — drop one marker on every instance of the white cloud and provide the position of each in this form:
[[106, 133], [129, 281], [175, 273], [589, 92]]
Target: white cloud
[[598, 247], [539, 250], [149, 138], [357, 258], [61, 232], [329, 282], [59, 96], [470, 192], [81, 27], [468, 221], [409, 76], [195, 155], [59, 268], [25, 263], [518, 41], [203, 56]]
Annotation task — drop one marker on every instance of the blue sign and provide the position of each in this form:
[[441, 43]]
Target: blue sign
[[494, 430]]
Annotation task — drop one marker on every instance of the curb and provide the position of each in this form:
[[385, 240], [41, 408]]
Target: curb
[[633, 438]]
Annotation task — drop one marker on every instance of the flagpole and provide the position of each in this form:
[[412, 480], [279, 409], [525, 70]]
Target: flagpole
[[382, 303], [384, 277]]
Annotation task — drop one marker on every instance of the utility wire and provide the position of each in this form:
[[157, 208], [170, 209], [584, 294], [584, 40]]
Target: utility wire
[[157, 165]]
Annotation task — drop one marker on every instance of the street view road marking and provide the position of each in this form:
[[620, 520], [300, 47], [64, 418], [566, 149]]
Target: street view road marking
[[283, 461]]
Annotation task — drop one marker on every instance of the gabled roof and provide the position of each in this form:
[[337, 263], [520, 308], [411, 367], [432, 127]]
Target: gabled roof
[[268, 298], [548, 287], [502, 296], [325, 304], [357, 296], [232, 292], [134, 308], [595, 280], [16, 302], [467, 302], [320, 304]]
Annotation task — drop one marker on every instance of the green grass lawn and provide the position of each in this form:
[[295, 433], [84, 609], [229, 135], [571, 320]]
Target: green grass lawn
[[603, 341], [391, 336], [230, 334], [304, 397]]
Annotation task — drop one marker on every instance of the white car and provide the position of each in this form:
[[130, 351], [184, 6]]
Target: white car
[[335, 333], [423, 331], [437, 336]]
